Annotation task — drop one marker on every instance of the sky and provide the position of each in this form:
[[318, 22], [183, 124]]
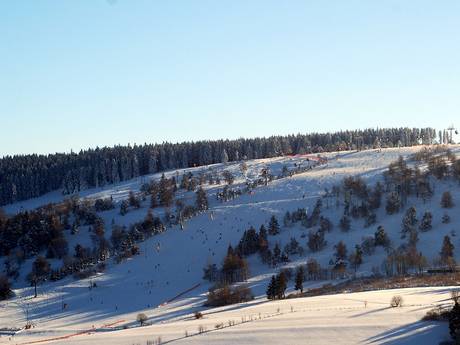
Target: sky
[[84, 73]]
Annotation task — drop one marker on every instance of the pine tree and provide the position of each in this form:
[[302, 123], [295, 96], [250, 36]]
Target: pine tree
[[356, 258], [409, 221], [393, 203], [446, 200], [447, 251], [425, 223], [380, 237], [273, 226], [299, 277], [454, 323], [340, 251], [271, 289], [201, 199], [281, 285], [224, 157]]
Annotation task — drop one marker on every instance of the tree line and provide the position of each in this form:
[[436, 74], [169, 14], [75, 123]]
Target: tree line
[[27, 176]]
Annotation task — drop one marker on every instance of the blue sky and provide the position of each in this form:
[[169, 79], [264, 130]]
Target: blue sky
[[78, 74]]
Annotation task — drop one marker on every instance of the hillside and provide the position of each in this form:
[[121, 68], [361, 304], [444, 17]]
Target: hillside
[[171, 262]]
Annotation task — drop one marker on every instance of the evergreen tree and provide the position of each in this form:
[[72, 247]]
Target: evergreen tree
[[446, 200], [299, 277], [393, 203], [447, 251], [425, 223], [409, 221], [340, 251], [5, 288], [356, 258], [273, 226], [381, 238], [281, 285], [201, 199], [271, 289], [454, 322], [316, 241]]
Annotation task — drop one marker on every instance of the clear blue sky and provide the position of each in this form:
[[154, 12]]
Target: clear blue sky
[[84, 73]]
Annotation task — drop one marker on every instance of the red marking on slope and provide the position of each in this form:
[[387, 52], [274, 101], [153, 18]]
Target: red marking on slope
[[88, 331]]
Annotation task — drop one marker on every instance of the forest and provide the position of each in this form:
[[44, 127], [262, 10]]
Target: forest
[[27, 176]]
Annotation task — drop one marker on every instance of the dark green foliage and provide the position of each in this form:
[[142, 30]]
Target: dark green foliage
[[381, 238], [273, 226], [447, 251], [316, 241], [425, 223], [446, 200], [201, 200], [454, 323], [393, 203], [299, 278], [40, 270], [5, 288], [409, 221], [445, 219], [340, 251], [27, 176], [249, 243], [277, 286], [356, 258], [271, 289], [325, 225]]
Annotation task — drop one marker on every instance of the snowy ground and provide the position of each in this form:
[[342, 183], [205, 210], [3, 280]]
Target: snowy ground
[[357, 318], [145, 282]]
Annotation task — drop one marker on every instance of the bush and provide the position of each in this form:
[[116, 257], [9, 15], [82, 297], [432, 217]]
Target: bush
[[198, 315], [225, 295], [141, 318], [436, 314], [396, 301]]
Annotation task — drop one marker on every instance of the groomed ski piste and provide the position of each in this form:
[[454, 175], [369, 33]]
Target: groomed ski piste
[[165, 280]]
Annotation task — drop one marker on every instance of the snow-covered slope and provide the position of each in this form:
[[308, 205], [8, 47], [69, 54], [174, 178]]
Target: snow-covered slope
[[172, 263]]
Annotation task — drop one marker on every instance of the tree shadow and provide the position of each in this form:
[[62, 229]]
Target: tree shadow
[[420, 332]]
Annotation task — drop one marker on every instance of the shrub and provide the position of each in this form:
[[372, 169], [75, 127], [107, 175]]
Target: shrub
[[198, 315], [221, 295], [436, 314], [396, 301], [141, 318]]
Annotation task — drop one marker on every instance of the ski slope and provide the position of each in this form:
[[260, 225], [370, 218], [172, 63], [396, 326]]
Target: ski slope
[[171, 265]]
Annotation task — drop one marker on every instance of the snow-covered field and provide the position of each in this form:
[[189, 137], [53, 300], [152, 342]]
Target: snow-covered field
[[145, 282], [356, 318]]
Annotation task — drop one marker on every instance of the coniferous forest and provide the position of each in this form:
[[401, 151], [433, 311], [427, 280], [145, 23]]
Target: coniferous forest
[[27, 176]]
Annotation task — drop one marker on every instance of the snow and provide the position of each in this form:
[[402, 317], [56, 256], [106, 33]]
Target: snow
[[145, 282]]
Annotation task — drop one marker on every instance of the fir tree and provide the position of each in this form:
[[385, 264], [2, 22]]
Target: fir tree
[[381, 238], [281, 285], [447, 251], [446, 200], [273, 226], [299, 277], [409, 221], [271, 289], [425, 223], [201, 200]]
